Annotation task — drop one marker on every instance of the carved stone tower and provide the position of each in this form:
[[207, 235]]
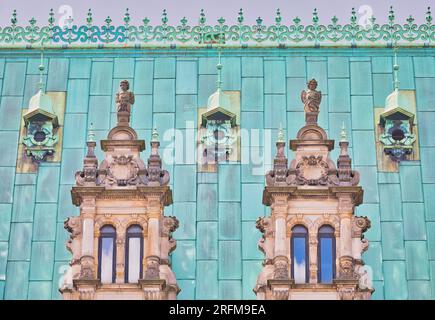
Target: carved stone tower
[[312, 240], [121, 241]]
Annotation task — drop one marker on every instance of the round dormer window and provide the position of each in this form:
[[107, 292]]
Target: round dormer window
[[39, 136]]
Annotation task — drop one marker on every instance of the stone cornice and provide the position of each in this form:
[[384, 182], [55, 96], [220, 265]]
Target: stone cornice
[[140, 192], [107, 144], [294, 144], [356, 193]]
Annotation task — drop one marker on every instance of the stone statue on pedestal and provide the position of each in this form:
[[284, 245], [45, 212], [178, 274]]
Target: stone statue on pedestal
[[311, 99], [124, 100]]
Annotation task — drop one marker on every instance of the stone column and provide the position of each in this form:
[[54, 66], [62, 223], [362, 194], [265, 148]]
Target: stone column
[[153, 245], [313, 243], [281, 261], [346, 261], [120, 256], [87, 260]]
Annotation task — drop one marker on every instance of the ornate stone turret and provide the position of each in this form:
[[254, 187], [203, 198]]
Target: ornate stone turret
[[121, 240], [312, 241]]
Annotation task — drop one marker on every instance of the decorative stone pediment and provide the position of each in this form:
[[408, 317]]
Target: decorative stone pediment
[[312, 170], [123, 170]]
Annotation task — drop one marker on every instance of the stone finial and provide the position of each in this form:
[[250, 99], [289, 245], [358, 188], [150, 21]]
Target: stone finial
[[89, 175], [281, 138], [343, 134], [91, 133], [155, 136], [278, 175], [156, 176], [124, 101], [345, 174], [311, 99]]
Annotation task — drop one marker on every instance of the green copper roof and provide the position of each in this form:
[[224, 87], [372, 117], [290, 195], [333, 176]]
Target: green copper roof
[[217, 256]]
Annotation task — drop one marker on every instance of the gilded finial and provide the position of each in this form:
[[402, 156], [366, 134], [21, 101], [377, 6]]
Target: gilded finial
[[343, 133], [281, 138], [91, 133]]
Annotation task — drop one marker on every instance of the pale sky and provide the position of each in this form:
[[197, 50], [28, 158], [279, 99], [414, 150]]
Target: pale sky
[[177, 9]]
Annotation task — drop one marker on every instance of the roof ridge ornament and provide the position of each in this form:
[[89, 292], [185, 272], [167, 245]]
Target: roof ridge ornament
[[240, 34]]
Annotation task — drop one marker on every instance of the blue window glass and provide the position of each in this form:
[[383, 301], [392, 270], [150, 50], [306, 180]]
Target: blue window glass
[[299, 249], [107, 254], [133, 254], [326, 254]]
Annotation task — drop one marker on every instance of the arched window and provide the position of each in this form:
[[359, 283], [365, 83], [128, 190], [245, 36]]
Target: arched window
[[133, 254], [107, 254], [299, 252], [326, 254]]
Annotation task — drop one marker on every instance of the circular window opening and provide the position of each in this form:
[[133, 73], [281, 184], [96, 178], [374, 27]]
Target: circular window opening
[[219, 134], [398, 134], [39, 136]]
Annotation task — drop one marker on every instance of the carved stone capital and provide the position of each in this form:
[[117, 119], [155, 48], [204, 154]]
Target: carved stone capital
[[86, 288], [360, 225], [280, 288], [87, 268], [281, 265], [153, 288], [152, 271], [347, 268], [346, 293]]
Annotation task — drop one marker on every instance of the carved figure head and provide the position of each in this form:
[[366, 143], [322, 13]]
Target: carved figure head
[[124, 85], [312, 84]]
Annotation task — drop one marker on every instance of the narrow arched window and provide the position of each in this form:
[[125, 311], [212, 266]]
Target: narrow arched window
[[299, 252], [133, 254], [107, 254], [326, 254]]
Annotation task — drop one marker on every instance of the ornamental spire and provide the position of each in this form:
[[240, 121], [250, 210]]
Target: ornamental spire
[[219, 69], [41, 72], [90, 143], [91, 133], [155, 143], [155, 136], [396, 71], [219, 99], [344, 153], [281, 138], [343, 134]]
